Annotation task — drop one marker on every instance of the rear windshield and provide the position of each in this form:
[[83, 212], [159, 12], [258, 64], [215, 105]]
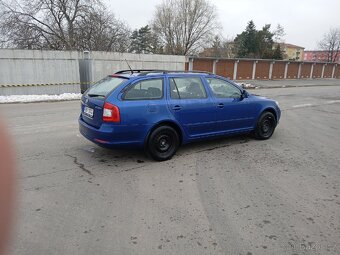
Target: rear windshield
[[103, 87]]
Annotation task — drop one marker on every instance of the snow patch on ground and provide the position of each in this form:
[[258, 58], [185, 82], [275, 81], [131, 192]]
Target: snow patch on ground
[[246, 85], [38, 98], [68, 96]]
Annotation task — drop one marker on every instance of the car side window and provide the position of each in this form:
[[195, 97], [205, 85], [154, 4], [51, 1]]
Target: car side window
[[145, 90], [187, 88], [223, 89]]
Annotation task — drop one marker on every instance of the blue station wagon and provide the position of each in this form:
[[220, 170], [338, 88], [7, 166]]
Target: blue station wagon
[[160, 110]]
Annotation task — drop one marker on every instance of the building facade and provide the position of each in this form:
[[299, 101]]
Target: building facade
[[321, 56], [292, 52]]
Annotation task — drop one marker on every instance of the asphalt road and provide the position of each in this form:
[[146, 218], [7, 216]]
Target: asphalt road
[[228, 196]]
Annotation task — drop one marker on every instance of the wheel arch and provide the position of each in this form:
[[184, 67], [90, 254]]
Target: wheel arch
[[268, 109], [272, 110], [169, 123]]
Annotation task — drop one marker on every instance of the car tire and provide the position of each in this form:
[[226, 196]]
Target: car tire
[[163, 143], [265, 126]]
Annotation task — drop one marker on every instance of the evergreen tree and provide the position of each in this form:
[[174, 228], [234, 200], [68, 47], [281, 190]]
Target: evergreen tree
[[265, 42], [144, 41], [277, 54], [135, 44], [239, 49], [251, 40], [246, 41], [216, 47], [253, 43]]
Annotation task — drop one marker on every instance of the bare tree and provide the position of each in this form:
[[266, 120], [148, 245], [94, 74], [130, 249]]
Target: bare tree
[[219, 48], [185, 26], [331, 44], [102, 32], [279, 34], [59, 24]]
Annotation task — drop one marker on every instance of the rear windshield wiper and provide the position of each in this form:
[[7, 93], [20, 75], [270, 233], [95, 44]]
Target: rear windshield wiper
[[95, 95]]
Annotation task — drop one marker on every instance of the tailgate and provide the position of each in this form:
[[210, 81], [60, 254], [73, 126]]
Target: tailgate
[[92, 111]]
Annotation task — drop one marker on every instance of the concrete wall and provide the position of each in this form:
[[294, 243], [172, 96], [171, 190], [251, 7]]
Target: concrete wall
[[56, 72], [105, 63], [38, 72], [32, 67], [247, 69]]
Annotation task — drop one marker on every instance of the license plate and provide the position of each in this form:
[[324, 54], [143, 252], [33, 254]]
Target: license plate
[[88, 112]]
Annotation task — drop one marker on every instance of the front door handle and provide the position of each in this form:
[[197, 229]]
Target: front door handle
[[176, 108], [220, 105]]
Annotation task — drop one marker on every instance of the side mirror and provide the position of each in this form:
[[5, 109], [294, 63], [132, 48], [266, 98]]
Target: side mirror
[[244, 94]]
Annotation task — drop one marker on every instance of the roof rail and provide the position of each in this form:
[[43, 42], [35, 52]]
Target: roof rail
[[150, 71], [139, 71], [186, 71]]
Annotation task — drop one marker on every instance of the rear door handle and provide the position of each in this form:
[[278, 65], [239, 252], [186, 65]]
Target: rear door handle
[[220, 105], [176, 108]]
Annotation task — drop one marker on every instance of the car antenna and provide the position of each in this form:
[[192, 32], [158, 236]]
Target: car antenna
[[129, 66]]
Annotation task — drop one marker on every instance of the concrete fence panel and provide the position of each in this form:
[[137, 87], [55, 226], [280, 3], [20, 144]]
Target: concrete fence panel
[[278, 70], [32, 67], [203, 65], [262, 70], [38, 72], [293, 70], [56, 72], [225, 68], [105, 63], [186, 66], [328, 71], [317, 71], [244, 70], [337, 72], [305, 70]]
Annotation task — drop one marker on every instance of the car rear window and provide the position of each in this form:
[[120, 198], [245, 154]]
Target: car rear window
[[103, 87]]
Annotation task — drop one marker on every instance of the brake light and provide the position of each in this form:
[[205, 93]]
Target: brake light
[[111, 113]]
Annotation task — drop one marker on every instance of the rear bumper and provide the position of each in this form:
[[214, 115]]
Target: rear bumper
[[110, 135]]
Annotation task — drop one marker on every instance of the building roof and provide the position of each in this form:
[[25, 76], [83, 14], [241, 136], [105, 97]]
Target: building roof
[[289, 45], [319, 51]]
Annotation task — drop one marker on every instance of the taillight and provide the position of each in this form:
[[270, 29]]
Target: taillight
[[111, 113]]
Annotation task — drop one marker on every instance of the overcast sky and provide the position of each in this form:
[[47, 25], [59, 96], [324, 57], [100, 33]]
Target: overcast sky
[[304, 21]]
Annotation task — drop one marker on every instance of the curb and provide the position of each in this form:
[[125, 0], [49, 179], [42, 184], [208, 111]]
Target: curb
[[41, 101]]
